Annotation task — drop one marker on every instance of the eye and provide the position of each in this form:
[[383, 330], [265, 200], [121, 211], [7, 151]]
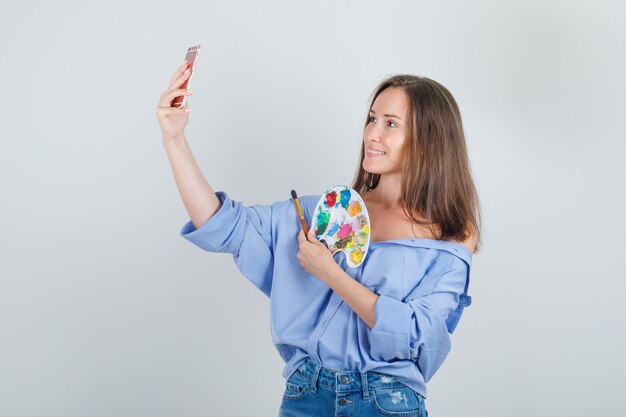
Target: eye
[[372, 117]]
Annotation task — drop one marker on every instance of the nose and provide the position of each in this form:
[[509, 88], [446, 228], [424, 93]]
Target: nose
[[372, 135]]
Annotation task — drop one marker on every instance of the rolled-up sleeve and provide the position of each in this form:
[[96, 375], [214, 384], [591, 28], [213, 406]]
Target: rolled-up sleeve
[[246, 232], [417, 329]]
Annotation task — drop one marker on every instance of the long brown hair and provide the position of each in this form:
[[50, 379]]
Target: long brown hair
[[437, 181]]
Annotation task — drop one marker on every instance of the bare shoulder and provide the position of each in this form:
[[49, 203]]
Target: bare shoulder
[[470, 242]]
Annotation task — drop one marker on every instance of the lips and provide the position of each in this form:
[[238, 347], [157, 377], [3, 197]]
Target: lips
[[375, 152]]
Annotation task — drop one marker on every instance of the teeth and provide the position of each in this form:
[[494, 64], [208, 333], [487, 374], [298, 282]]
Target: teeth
[[377, 152]]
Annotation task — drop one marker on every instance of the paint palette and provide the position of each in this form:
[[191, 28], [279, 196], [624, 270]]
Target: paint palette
[[341, 221]]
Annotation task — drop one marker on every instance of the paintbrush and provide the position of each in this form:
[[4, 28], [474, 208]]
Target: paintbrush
[[299, 210]]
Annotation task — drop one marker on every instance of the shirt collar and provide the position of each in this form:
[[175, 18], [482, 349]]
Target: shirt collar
[[455, 248]]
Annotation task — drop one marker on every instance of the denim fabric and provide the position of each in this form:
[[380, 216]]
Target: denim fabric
[[317, 391]]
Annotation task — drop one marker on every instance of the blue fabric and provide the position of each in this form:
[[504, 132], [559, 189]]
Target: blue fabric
[[422, 286]]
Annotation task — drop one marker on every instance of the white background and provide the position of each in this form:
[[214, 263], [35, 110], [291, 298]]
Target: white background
[[106, 311]]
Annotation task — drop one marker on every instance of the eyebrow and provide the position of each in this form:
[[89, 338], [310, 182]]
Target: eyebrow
[[388, 115]]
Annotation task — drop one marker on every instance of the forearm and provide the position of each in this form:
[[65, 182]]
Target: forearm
[[360, 299], [197, 195]]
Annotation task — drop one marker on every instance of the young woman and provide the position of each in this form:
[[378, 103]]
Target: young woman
[[356, 341]]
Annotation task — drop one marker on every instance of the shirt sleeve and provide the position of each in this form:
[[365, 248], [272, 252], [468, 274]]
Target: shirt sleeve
[[417, 329], [246, 232]]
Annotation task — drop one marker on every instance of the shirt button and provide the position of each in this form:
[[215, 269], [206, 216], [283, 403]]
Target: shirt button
[[342, 401], [344, 379]]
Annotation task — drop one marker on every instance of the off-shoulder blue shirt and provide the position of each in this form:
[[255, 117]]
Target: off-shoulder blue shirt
[[422, 287]]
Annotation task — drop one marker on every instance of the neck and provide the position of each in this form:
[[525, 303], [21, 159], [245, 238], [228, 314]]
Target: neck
[[388, 193]]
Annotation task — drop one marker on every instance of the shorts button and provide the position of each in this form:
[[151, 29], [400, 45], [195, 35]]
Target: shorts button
[[342, 401], [344, 379]]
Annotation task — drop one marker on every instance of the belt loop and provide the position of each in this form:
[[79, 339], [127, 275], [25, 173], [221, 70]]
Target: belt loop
[[366, 391], [316, 373]]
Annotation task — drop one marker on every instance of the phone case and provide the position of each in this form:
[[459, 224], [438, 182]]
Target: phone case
[[191, 58]]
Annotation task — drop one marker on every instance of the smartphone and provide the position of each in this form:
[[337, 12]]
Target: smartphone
[[191, 57]]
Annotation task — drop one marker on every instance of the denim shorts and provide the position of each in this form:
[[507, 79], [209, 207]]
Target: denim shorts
[[314, 390]]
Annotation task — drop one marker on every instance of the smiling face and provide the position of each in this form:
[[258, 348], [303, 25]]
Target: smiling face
[[386, 132]]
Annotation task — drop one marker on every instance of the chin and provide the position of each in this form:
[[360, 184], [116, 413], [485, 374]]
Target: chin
[[371, 170], [368, 170]]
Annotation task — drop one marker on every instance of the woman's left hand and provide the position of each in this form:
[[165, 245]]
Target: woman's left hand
[[314, 256]]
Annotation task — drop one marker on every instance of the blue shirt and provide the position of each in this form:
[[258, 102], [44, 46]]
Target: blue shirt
[[422, 286]]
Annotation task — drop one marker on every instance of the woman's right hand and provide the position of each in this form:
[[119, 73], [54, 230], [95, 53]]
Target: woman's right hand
[[173, 119]]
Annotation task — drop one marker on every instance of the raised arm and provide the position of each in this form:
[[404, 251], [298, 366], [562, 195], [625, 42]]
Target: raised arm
[[198, 196]]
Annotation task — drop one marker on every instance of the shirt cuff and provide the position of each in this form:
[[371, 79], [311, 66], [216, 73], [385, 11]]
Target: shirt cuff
[[390, 336], [218, 233]]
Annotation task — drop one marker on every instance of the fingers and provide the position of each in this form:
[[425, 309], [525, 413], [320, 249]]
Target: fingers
[[165, 101], [302, 237], [179, 78], [166, 98], [172, 111], [312, 237], [178, 72], [309, 237]]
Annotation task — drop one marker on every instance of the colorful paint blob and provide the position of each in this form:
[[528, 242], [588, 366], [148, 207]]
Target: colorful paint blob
[[354, 208], [344, 230], [356, 256], [331, 198], [321, 222], [345, 197], [341, 221]]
